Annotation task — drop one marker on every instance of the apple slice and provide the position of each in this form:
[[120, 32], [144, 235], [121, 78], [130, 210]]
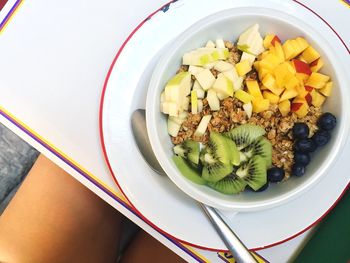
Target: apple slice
[[200, 105], [223, 66], [173, 127], [223, 85], [194, 104], [213, 100], [248, 108], [194, 69], [178, 87], [210, 44], [197, 87], [220, 43], [203, 125], [246, 56], [243, 96], [185, 104], [205, 78]]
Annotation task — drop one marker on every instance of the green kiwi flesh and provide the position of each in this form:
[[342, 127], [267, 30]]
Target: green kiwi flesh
[[253, 172], [231, 184], [189, 150], [245, 134], [219, 148], [216, 171], [187, 171], [261, 147]]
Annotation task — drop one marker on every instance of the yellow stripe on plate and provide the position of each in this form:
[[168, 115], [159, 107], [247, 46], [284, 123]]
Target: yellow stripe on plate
[[11, 16]]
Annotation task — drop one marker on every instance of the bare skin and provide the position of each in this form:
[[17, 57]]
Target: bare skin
[[53, 218]]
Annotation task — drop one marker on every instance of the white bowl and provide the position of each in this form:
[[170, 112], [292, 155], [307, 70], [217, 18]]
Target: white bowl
[[228, 25]]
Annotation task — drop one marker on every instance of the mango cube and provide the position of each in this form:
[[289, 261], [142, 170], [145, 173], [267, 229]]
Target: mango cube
[[292, 83], [273, 98], [278, 51], [317, 80], [289, 49], [254, 89], [316, 65], [327, 89], [260, 105], [288, 94], [243, 67], [310, 55], [300, 107], [243, 96], [269, 62], [317, 98], [284, 107], [270, 83], [303, 44]]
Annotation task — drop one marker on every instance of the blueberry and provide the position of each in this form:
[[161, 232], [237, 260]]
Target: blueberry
[[321, 137], [327, 121], [300, 130], [275, 174], [298, 170], [302, 158], [305, 146]]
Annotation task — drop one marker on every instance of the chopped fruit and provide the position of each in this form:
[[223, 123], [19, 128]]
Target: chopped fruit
[[197, 87], [289, 94], [275, 174], [310, 55], [302, 158], [321, 137], [213, 100], [254, 89], [317, 98], [269, 62], [327, 89], [243, 67], [246, 56], [301, 67], [200, 105], [263, 72], [186, 103], [210, 65], [317, 80], [260, 105], [194, 103], [308, 99], [284, 107], [194, 69], [303, 44], [270, 39], [316, 65], [270, 83], [210, 44], [243, 96], [289, 49], [220, 43], [250, 41], [223, 85], [223, 66], [305, 146], [300, 130], [298, 170], [271, 97], [248, 108], [292, 83], [300, 107], [202, 127], [173, 127], [278, 50], [170, 108], [205, 78], [327, 121], [281, 73], [233, 76], [203, 56], [256, 65]]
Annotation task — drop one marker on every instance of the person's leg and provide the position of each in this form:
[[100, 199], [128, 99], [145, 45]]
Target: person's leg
[[54, 218], [144, 248]]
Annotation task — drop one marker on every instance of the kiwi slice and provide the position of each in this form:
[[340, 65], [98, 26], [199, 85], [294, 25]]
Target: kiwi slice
[[231, 184], [219, 147], [214, 172], [253, 172], [245, 134], [235, 154], [261, 147], [189, 150], [187, 171]]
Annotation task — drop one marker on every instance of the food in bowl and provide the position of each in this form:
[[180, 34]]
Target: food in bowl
[[247, 113]]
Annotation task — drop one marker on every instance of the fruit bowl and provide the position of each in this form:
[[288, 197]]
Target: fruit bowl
[[228, 25]]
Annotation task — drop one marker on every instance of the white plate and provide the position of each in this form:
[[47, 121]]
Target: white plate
[[155, 197]]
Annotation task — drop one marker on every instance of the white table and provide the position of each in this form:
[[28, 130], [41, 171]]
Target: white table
[[54, 57]]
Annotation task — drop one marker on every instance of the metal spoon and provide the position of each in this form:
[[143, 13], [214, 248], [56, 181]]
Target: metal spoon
[[233, 243]]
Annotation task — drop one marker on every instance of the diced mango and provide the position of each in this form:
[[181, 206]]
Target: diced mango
[[263, 55], [302, 92], [284, 107], [270, 83], [301, 77], [254, 89], [300, 107], [310, 55], [327, 89], [289, 94], [288, 49], [269, 62], [260, 105], [292, 83], [243, 67], [302, 43], [263, 72], [279, 51], [316, 65], [301, 67], [270, 39], [317, 98], [317, 80], [243, 96], [273, 98]]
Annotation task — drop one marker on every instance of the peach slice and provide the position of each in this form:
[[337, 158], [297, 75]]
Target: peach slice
[[317, 80], [273, 98], [301, 67], [310, 55], [254, 89], [300, 107], [284, 107], [317, 98], [327, 89], [316, 65], [260, 105], [289, 94]]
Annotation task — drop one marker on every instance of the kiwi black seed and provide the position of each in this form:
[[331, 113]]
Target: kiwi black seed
[[253, 172], [245, 134], [189, 150], [231, 184], [214, 172], [261, 147], [187, 170]]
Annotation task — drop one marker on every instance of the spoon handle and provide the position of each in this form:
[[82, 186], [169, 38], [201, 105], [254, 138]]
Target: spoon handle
[[233, 243]]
